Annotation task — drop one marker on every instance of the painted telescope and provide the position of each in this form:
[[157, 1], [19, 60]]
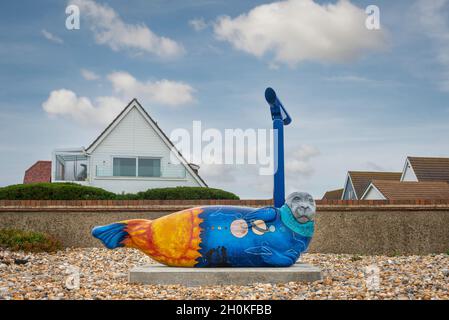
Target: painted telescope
[[226, 236]]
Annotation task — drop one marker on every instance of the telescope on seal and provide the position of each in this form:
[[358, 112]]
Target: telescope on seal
[[276, 107], [280, 118]]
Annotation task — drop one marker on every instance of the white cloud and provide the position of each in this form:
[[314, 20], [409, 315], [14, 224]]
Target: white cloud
[[166, 92], [432, 16], [67, 104], [89, 75], [299, 163], [109, 29], [198, 24], [300, 30], [49, 36]]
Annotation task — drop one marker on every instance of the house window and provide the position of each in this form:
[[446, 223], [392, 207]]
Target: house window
[[136, 167], [149, 167], [124, 167]]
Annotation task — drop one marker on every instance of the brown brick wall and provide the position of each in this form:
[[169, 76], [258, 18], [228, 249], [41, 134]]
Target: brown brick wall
[[155, 205]]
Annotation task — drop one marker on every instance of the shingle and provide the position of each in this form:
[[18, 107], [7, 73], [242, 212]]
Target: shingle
[[397, 190], [362, 179], [430, 169]]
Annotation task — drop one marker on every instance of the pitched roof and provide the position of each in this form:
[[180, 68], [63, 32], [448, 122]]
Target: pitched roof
[[405, 190], [134, 102], [333, 195], [362, 179], [430, 169], [38, 172]]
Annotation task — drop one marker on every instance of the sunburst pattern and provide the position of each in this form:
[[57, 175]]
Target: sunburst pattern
[[173, 240]]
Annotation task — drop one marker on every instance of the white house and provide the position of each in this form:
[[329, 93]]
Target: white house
[[132, 154]]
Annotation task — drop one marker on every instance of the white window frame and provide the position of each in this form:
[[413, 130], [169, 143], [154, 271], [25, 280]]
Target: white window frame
[[149, 158], [137, 165], [123, 157]]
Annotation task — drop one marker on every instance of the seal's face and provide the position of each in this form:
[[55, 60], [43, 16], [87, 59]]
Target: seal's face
[[302, 206]]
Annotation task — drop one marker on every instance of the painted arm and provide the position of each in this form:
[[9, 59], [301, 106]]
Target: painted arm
[[267, 214]]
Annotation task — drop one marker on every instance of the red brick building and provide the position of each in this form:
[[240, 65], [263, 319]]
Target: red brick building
[[38, 172]]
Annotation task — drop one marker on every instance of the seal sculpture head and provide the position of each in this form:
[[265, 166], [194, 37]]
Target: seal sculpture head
[[220, 236], [302, 206]]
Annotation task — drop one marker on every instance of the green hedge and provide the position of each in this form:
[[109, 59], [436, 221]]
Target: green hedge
[[54, 191], [73, 191], [28, 241], [183, 193]]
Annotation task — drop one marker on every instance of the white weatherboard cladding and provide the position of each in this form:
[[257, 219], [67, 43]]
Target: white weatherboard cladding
[[133, 136], [373, 194], [409, 174]]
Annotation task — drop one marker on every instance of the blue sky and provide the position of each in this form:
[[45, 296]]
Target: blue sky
[[365, 103]]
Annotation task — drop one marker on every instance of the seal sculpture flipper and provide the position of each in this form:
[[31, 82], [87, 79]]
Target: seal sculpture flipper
[[267, 214], [112, 235], [273, 258], [278, 259], [128, 233]]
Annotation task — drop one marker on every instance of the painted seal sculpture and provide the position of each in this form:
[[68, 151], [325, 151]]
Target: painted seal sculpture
[[220, 236]]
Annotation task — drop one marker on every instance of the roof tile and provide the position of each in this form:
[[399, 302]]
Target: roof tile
[[362, 179], [430, 169], [402, 190], [333, 195]]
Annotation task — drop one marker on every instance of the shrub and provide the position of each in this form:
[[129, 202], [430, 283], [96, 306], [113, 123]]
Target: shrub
[[54, 191], [183, 193], [73, 191], [28, 241]]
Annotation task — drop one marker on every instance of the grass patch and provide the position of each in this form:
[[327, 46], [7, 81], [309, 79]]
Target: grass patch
[[355, 258], [30, 241]]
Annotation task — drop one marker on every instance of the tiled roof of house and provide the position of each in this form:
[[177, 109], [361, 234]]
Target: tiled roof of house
[[362, 179], [397, 190], [38, 172], [430, 169], [333, 195]]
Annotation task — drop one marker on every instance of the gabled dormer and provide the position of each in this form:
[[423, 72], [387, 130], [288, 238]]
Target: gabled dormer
[[424, 169]]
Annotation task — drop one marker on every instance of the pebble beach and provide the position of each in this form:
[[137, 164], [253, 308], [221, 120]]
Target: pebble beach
[[103, 274]]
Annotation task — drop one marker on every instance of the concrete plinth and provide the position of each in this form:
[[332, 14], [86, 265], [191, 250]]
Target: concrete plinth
[[160, 274]]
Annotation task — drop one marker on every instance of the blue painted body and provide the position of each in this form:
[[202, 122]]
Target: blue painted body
[[280, 118], [280, 246]]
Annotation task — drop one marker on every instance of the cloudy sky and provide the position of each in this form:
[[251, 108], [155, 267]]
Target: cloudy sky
[[360, 99]]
